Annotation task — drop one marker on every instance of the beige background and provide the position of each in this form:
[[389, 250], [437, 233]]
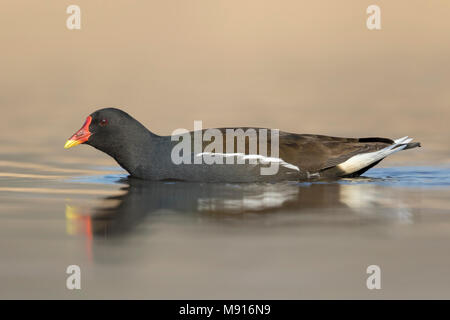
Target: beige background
[[301, 66]]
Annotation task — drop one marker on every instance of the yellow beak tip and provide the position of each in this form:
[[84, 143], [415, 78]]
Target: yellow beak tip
[[71, 143]]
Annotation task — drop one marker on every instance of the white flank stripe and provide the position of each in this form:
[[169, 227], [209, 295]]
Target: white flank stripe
[[261, 158]]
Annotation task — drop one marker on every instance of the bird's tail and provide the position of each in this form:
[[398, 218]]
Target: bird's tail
[[362, 162]]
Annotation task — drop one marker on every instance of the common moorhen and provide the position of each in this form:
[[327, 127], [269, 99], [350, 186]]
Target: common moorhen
[[261, 155]]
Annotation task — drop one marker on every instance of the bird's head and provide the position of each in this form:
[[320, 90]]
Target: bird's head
[[104, 129]]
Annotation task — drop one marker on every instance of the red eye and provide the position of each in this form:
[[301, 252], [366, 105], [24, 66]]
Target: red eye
[[103, 122]]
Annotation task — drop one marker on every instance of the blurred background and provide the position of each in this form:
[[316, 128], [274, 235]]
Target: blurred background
[[299, 66]]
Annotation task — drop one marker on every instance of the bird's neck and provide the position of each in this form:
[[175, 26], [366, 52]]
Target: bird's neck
[[135, 155]]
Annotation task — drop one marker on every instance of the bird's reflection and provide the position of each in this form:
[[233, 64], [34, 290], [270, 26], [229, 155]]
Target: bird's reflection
[[142, 199]]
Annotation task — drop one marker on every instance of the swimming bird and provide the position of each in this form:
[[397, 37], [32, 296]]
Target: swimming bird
[[297, 157]]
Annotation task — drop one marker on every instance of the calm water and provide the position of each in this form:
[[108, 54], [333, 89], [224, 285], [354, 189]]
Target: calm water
[[137, 239]]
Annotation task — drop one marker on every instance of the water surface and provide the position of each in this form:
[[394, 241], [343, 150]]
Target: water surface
[[141, 239]]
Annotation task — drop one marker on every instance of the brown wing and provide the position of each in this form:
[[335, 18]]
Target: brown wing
[[308, 151], [317, 152]]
